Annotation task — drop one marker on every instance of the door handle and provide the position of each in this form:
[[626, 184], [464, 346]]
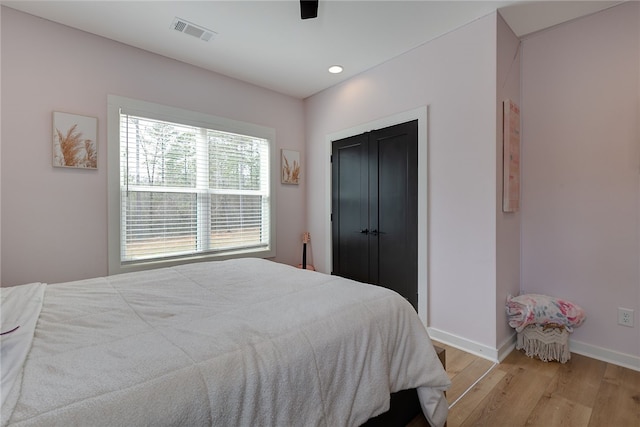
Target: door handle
[[372, 232]]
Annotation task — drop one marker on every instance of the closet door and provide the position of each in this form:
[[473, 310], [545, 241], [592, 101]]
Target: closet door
[[350, 207], [393, 209], [374, 208]]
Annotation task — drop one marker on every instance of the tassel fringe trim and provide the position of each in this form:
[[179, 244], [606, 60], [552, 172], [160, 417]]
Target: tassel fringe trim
[[546, 344]]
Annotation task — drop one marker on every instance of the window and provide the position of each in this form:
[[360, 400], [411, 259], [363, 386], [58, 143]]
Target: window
[[188, 186]]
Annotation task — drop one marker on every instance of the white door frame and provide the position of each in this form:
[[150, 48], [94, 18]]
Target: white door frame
[[420, 114]]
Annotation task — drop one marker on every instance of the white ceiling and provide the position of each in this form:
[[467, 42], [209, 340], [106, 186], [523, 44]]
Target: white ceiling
[[266, 43]]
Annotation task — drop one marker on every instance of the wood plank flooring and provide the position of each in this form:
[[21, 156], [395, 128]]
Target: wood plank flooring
[[522, 391]]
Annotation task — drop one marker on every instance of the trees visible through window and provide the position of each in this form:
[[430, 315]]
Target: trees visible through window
[[190, 190]]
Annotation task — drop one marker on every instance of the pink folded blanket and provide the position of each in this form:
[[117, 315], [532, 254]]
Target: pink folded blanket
[[530, 309]]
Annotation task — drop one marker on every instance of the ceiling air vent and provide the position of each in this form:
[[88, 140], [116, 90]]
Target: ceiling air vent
[[192, 29]]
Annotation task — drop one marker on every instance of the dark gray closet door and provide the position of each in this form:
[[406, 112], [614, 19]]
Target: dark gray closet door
[[375, 210]]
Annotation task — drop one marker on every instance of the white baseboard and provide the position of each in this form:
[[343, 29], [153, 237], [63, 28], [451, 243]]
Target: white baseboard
[[621, 359], [507, 347], [497, 355], [464, 344]]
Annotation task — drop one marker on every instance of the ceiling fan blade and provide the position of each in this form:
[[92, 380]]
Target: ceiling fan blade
[[308, 9]]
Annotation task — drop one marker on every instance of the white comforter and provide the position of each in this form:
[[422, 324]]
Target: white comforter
[[229, 343]]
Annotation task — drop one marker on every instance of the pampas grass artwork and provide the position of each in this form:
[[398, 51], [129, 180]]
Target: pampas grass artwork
[[290, 167], [74, 141]]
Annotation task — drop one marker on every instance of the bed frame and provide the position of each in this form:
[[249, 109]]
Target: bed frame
[[404, 405]]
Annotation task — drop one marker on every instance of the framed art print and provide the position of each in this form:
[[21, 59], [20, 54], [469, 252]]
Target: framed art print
[[74, 141], [290, 167]]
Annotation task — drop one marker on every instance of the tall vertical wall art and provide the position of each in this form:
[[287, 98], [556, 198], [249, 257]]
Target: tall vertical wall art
[[511, 161], [290, 167]]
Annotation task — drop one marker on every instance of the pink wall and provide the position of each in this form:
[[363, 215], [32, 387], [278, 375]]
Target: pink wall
[[581, 139], [455, 76], [507, 224], [54, 221]]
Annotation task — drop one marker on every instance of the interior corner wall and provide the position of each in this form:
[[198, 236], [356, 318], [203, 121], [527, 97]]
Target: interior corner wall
[[581, 169], [507, 224], [54, 220], [454, 75], [0, 146]]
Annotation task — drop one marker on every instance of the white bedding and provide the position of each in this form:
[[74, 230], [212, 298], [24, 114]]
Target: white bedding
[[228, 343], [19, 311]]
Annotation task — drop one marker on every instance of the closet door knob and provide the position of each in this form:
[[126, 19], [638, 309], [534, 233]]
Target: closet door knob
[[365, 231]]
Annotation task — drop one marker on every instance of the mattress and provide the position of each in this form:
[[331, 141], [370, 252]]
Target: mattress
[[226, 343]]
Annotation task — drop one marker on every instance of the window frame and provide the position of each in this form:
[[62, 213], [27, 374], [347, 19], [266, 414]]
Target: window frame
[[155, 111]]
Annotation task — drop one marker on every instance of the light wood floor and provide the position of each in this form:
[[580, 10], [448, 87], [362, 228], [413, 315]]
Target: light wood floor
[[522, 391]]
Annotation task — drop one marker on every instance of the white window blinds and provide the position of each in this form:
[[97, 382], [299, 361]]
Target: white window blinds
[[187, 190]]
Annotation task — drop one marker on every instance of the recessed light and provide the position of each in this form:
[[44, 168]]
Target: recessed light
[[335, 69]]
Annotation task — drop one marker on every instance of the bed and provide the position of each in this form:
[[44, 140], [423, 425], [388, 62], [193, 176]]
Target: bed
[[226, 343]]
